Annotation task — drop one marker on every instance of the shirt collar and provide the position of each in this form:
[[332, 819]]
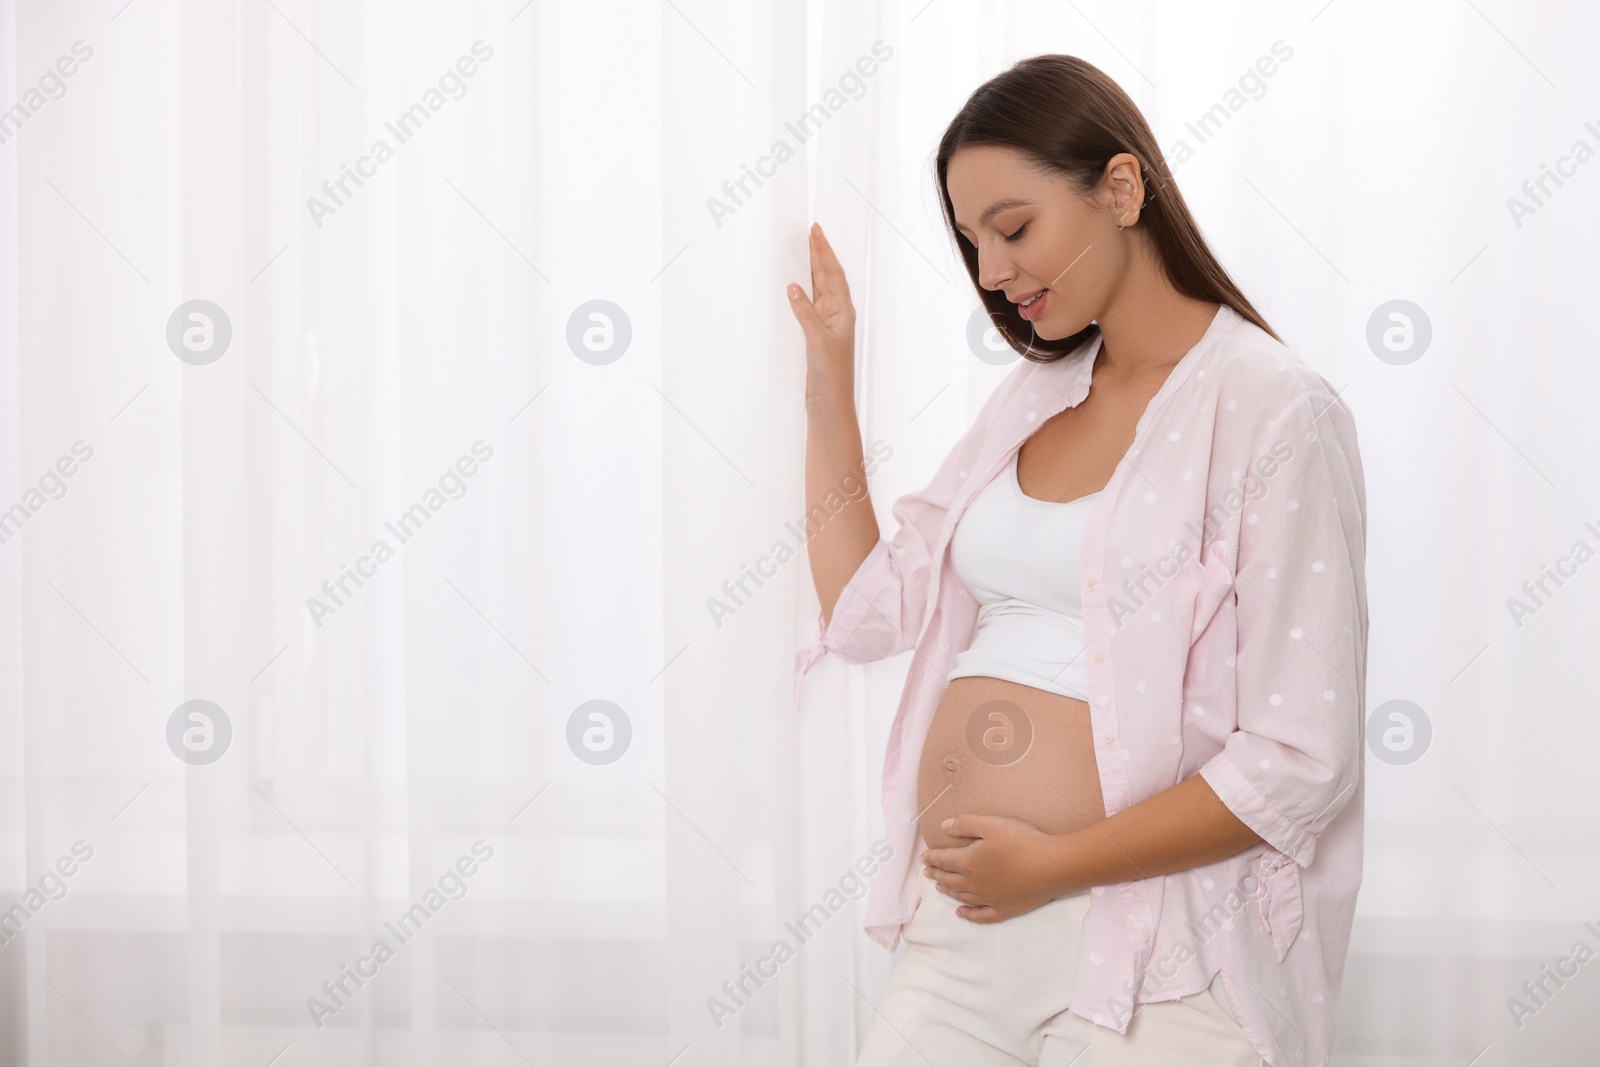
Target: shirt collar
[[1068, 379]]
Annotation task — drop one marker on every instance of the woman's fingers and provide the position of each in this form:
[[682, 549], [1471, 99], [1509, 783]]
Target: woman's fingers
[[826, 317], [819, 284], [816, 331], [944, 859], [980, 915], [948, 879], [966, 896], [827, 274], [803, 310], [832, 269]]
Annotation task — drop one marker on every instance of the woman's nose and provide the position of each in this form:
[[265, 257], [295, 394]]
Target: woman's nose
[[990, 274]]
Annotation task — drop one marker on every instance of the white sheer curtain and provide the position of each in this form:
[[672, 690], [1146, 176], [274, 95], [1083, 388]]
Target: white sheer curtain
[[574, 500]]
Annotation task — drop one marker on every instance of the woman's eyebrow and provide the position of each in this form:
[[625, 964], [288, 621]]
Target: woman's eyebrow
[[994, 209]]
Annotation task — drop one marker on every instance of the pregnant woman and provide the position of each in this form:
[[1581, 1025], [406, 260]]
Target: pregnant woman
[[1123, 787]]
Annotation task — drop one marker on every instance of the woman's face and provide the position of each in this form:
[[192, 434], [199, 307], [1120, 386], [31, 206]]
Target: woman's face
[[1045, 235]]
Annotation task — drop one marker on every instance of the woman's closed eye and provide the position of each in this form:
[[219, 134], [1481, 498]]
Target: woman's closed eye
[[1018, 234]]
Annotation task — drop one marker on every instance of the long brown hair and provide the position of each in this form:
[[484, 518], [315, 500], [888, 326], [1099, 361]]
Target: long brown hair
[[1068, 117]]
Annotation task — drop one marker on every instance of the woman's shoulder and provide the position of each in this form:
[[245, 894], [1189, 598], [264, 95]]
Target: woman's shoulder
[[1256, 371]]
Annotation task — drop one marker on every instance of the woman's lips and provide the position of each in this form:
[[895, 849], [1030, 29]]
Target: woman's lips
[[1035, 309]]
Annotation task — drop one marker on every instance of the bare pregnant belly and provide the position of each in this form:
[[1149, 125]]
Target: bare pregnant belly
[[999, 748]]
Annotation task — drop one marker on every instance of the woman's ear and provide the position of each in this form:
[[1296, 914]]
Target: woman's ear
[[1126, 188]]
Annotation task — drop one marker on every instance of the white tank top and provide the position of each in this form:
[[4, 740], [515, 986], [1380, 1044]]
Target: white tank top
[[1020, 558]]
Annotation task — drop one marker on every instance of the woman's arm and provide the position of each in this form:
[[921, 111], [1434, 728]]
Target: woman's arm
[[1183, 826], [1009, 867], [834, 461], [834, 472]]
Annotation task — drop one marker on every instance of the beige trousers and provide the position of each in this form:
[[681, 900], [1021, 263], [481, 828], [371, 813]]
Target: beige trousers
[[967, 994]]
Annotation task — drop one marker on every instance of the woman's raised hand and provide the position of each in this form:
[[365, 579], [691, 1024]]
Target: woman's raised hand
[[828, 318]]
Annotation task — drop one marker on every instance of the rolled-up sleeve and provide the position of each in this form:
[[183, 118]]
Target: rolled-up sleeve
[[880, 608], [1300, 666], [874, 617]]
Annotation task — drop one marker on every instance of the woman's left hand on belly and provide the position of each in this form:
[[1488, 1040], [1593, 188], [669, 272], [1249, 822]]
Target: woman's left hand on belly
[[1007, 868]]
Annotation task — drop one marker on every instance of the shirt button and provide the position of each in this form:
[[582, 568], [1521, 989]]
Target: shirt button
[[1108, 738], [1099, 657], [1088, 579], [1144, 935]]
